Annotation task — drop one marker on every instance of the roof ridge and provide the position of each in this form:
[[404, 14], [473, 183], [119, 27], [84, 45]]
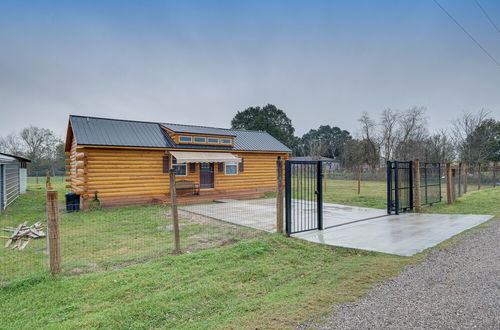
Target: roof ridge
[[127, 120], [222, 128], [164, 123]]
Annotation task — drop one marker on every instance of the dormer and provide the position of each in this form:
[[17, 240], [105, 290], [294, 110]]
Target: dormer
[[198, 135]]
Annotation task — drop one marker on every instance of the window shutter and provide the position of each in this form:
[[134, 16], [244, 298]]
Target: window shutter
[[166, 164], [192, 168], [241, 165], [220, 166]]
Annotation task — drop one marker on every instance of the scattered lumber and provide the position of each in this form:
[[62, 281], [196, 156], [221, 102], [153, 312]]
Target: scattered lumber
[[23, 234]]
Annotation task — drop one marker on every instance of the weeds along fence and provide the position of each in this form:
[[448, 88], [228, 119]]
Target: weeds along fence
[[106, 239]]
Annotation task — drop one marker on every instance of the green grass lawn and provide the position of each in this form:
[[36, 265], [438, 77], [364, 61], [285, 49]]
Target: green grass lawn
[[373, 193], [263, 281], [109, 238]]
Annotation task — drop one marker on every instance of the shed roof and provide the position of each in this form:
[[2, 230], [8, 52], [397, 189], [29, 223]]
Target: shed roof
[[128, 133], [10, 157]]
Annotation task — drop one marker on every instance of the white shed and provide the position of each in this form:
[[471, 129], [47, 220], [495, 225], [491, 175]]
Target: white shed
[[13, 178]]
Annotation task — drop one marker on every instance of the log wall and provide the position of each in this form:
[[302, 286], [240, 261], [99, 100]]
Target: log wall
[[137, 175]]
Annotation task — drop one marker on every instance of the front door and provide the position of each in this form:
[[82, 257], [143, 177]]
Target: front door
[[206, 175]]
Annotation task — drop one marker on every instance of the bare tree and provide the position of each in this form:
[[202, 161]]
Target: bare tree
[[439, 148], [367, 126], [471, 139], [387, 133], [463, 129], [369, 142], [11, 144], [412, 132]]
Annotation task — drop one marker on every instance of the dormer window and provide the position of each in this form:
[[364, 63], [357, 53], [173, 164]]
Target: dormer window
[[213, 140], [226, 141], [185, 139], [200, 139]]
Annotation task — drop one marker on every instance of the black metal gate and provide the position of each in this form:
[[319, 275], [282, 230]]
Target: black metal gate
[[430, 183], [303, 196], [399, 187]]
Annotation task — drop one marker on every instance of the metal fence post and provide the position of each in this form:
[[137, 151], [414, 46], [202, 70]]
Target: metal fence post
[[319, 186], [288, 197], [389, 187], [53, 232], [175, 214], [410, 179], [279, 196], [416, 171], [396, 187]]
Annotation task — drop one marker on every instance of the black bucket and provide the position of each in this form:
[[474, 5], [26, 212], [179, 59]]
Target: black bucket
[[72, 202]]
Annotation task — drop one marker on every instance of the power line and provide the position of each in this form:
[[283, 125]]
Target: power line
[[487, 16], [467, 33]]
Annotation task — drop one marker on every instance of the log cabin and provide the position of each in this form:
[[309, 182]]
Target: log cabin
[[127, 162]]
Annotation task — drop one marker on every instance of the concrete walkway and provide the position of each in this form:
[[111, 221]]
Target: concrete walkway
[[455, 288]]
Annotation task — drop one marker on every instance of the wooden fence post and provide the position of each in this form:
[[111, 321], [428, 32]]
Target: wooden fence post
[[359, 179], [279, 196], [449, 183], [459, 179], [53, 232], [466, 176], [175, 213], [453, 191], [494, 174], [416, 184], [479, 177]]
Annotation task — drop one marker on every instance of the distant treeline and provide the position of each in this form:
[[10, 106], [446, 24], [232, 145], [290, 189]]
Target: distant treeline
[[473, 138]]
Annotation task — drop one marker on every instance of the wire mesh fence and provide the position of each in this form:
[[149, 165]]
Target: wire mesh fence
[[430, 183], [468, 178], [106, 239], [26, 252], [341, 186]]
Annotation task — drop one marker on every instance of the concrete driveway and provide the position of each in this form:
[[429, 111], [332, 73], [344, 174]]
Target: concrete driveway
[[261, 213], [404, 234]]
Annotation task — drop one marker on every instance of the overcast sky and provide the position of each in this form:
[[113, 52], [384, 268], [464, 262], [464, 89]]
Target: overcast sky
[[198, 62]]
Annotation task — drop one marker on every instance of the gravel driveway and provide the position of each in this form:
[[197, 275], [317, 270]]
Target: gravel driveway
[[457, 288]]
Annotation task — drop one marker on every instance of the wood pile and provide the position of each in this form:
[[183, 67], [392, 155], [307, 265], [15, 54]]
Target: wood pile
[[22, 234]]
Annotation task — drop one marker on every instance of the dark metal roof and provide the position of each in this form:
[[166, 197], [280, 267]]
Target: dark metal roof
[[127, 133], [110, 132], [19, 158]]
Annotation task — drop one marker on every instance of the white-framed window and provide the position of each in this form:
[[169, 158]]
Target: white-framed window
[[200, 139], [231, 168], [226, 141], [213, 140], [185, 139], [180, 169]]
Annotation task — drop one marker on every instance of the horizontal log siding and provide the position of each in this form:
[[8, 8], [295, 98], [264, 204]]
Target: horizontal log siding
[[130, 173], [76, 170], [259, 172]]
